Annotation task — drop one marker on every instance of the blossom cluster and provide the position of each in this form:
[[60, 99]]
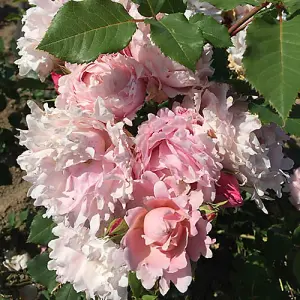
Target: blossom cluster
[[90, 170]]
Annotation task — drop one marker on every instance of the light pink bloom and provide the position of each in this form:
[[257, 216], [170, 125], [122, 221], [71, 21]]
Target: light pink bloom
[[163, 237], [295, 189], [118, 83], [79, 167], [247, 148], [175, 144], [36, 22], [167, 77], [227, 189]]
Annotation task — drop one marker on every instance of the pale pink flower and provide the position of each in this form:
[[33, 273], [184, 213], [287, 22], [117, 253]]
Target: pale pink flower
[[91, 264], [78, 166], [167, 77], [36, 22], [163, 236], [295, 189], [247, 148], [227, 189], [118, 82], [175, 144], [143, 188]]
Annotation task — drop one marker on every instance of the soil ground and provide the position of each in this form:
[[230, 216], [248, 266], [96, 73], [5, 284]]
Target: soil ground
[[13, 189]]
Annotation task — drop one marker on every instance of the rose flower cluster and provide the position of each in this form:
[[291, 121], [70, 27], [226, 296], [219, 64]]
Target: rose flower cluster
[[95, 175]]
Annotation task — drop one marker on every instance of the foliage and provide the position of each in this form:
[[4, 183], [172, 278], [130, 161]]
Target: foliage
[[267, 115], [106, 28], [213, 32], [41, 230], [185, 40], [272, 63], [67, 292], [39, 272]]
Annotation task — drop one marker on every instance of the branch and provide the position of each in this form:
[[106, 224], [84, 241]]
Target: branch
[[233, 29]]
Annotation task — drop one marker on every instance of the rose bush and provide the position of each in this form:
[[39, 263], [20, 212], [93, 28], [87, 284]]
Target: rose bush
[[149, 142]]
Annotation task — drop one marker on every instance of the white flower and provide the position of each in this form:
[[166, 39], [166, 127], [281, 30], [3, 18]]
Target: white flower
[[236, 53], [17, 262], [93, 265]]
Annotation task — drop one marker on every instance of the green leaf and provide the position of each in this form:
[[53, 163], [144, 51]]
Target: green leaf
[[173, 6], [90, 27], [292, 126], [149, 297], [296, 266], [67, 292], [296, 236], [278, 239], [214, 32], [23, 215], [178, 39], [41, 230], [266, 115], [272, 62], [291, 5], [38, 270], [1, 45], [44, 295], [12, 219], [150, 8], [135, 285], [230, 4], [13, 17]]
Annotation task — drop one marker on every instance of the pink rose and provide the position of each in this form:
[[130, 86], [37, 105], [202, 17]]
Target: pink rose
[[175, 144], [117, 82], [168, 78], [227, 188], [295, 189], [162, 238]]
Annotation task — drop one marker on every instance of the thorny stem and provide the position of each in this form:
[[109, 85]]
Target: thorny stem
[[242, 27], [138, 20], [233, 29]]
